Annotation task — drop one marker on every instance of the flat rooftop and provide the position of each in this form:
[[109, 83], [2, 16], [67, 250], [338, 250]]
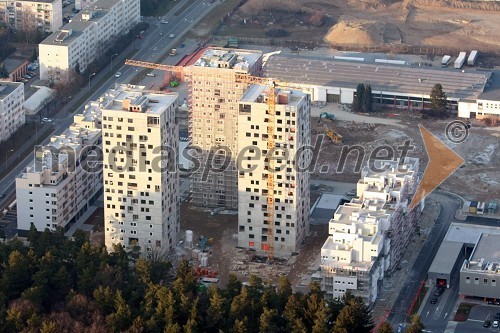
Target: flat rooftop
[[39, 1], [486, 253], [395, 79], [151, 103], [7, 87], [227, 58], [257, 92], [443, 263], [78, 24]]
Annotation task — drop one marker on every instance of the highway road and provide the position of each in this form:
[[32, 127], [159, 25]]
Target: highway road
[[155, 43], [418, 273]]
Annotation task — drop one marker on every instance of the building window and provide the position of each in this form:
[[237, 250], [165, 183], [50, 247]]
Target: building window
[[485, 281], [476, 280], [493, 282]]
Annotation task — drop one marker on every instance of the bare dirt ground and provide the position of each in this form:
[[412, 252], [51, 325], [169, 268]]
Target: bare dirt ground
[[478, 179], [450, 24]]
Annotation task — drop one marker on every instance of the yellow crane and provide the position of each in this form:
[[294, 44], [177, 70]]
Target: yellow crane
[[271, 104]]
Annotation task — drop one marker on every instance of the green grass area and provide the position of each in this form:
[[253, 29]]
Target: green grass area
[[463, 311], [184, 7]]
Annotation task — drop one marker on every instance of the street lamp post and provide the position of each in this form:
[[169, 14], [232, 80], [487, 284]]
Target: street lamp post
[[89, 79], [6, 161], [113, 55]]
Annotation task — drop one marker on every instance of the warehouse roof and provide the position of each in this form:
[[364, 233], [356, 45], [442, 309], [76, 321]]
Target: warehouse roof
[[33, 104], [382, 77], [446, 257]]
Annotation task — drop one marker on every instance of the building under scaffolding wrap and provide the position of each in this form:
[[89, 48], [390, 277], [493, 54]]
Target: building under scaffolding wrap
[[213, 127], [369, 234]]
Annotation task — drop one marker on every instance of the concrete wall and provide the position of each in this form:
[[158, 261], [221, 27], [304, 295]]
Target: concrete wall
[[480, 284]]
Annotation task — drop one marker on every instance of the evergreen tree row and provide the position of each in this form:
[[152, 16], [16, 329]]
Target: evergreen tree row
[[59, 285]]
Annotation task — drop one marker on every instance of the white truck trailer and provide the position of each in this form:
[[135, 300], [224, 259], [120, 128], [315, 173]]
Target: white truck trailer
[[472, 58], [460, 60]]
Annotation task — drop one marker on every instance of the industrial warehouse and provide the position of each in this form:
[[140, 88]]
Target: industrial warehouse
[[393, 84]]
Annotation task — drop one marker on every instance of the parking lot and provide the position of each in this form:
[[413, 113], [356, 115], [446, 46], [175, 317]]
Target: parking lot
[[477, 316]]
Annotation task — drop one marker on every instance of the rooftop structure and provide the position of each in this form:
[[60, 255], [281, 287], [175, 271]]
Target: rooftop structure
[[486, 255], [227, 58]]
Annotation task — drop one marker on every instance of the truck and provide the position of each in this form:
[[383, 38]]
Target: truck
[[445, 61], [173, 52], [472, 58], [459, 62]]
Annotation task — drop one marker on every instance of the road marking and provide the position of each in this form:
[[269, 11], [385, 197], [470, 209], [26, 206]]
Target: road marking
[[427, 315], [445, 315], [476, 320]]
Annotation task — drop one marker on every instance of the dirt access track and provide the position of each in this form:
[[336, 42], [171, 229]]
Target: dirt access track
[[369, 23]]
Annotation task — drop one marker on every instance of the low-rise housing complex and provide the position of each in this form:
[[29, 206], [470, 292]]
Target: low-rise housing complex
[[11, 108], [141, 181], [89, 34], [27, 15], [62, 183], [368, 235], [291, 200]]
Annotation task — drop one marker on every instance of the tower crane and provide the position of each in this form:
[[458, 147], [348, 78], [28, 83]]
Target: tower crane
[[271, 104]]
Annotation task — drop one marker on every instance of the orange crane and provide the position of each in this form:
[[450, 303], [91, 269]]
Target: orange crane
[[271, 104]]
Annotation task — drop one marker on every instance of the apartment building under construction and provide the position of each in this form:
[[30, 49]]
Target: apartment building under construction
[[290, 176], [213, 122], [368, 236]]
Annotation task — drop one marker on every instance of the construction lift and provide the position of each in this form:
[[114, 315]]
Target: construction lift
[[335, 137], [271, 103]]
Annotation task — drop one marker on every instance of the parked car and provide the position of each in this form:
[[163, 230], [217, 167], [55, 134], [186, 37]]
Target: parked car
[[46, 120], [439, 292], [2, 195], [118, 74], [487, 324], [182, 45], [151, 74], [434, 300], [171, 36], [163, 22], [495, 323]]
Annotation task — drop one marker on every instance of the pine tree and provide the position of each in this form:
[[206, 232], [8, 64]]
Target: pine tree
[[4, 73], [367, 99], [240, 326], [438, 100], [385, 327], [357, 103], [268, 320], [354, 318]]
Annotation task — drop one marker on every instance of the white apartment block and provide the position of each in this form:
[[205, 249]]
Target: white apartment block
[[89, 34], [368, 236], [45, 15], [11, 108], [292, 130], [141, 183], [61, 184], [213, 121]]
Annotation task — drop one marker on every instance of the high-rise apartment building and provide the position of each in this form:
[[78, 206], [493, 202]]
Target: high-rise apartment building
[[213, 122], [62, 182], [141, 183], [369, 235], [28, 15], [292, 132], [11, 108], [89, 34]]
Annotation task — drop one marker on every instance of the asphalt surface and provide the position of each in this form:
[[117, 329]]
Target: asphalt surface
[[156, 42], [449, 206], [478, 315]]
